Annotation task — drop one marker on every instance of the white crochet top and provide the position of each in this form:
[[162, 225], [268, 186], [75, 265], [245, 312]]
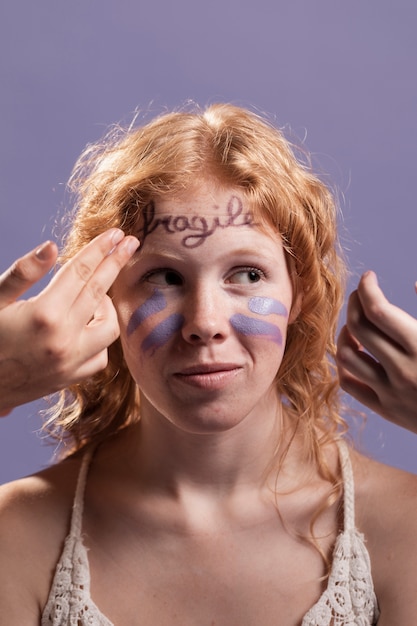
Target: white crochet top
[[349, 599]]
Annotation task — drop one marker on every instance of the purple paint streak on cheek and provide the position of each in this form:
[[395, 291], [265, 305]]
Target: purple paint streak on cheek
[[266, 306], [163, 332], [152, 305], [251, 326]]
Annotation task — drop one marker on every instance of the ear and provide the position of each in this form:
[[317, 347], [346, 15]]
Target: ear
[[296, 307]]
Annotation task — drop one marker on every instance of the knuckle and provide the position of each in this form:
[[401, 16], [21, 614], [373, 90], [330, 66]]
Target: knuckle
[[58, 355], [82, 270], [57, 346], [342, 357], [44, 321], [405, 380], [375, 312], [355, 323], [96, 290], [359, 321]]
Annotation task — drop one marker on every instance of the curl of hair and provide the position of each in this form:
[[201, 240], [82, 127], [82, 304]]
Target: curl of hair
[[115, 179]]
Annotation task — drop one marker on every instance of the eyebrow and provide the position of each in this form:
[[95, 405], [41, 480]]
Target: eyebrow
[[248, 252], [153, 252], [254, 253], [160, 248]]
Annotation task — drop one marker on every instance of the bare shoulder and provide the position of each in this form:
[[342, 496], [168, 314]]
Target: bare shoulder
[[386, 513], [383, 483], [34, 520]]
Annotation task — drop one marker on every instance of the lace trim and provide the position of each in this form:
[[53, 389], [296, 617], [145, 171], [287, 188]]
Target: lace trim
[[70, 603], [349, 599]]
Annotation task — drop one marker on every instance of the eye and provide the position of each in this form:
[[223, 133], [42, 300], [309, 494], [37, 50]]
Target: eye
[[163, 277], [246, 276]]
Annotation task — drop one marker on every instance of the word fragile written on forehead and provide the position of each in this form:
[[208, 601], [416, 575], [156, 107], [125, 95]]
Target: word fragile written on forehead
[[196, 228]]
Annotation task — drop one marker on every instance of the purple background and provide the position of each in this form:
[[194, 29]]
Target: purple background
[[342, 75]]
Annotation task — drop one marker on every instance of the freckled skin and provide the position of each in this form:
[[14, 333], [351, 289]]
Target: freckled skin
[[241, 323], [152, 305], [199, 368]]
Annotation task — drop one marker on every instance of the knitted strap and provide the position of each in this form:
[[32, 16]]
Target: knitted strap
[[78, 504], [348, 486]]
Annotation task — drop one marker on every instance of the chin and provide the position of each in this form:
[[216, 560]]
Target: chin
[[210, 420]]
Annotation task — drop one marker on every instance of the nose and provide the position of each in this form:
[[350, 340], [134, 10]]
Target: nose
[[205, 316]]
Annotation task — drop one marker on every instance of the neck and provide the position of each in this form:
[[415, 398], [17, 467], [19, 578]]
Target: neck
[[218, 463]]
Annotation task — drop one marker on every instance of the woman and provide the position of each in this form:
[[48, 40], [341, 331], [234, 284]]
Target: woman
[[207, 469]]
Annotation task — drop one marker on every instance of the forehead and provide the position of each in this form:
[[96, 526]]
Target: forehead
[[199, 213], [203, 194]]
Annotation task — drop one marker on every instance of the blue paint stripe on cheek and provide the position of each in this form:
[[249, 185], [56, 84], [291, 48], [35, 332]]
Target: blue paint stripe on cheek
[[163, 332], [155, 304], [266, 306], [251, 326]]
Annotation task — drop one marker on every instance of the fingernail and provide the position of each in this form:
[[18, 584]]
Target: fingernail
[[117, 236], [132, 244], [43, 252]]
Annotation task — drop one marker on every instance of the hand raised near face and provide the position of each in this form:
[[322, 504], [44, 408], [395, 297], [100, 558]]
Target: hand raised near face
[[377, 354], [60, 336]]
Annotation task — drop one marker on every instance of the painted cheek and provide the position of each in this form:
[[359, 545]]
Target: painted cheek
[[251, 326], [266, 306], [162, 333], [155, 304]]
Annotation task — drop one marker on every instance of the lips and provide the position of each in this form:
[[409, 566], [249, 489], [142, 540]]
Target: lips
[[208, 368], [209, 376]]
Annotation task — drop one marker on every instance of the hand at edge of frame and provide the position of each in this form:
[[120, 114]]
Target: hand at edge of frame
[[377, 354], [60, 336]]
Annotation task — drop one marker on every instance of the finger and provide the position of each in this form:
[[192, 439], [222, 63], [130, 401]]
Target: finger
[[395, 323], [382, 346], [376, 401], [106, 273], [347, 348], [98, 335], [353, 361], [26, 271], [103, 329], [361, 392], [71, 279], [105, 313], [89, 368]]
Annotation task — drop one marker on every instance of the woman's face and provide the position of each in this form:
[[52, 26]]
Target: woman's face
[[203, 308]]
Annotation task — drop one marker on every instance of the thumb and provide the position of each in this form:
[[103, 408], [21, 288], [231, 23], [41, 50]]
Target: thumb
[[26, 271]]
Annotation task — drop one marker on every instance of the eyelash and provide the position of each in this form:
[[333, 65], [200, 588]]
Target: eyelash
[[261, 274], [161, 270]]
